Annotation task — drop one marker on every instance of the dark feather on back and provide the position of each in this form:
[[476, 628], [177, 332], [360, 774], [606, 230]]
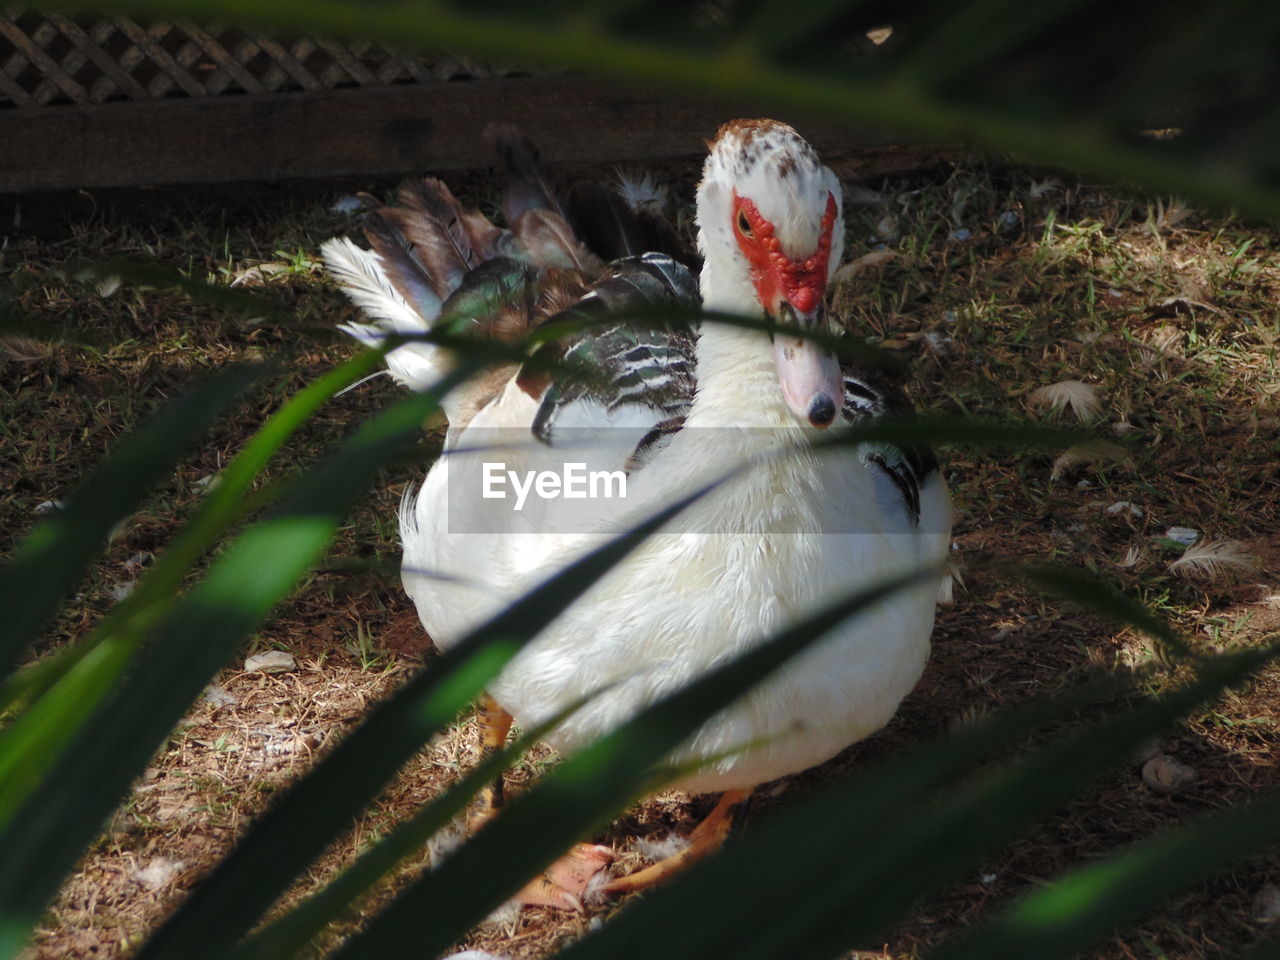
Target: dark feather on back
[[868, 396], [529, 185]]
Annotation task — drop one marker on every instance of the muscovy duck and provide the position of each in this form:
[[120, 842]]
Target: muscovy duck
[[667, 412]]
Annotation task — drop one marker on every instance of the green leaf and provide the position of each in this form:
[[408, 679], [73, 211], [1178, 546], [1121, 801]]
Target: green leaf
[[583, 792], [1091, 903], [306, 818], [64, 810], [53, 557], [869, 842]]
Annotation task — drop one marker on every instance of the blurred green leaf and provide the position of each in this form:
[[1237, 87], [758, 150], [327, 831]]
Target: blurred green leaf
[[868, 842], [1039, 80], [112, 745], [1094, 594], [305, 819], [54, 555], [290, 933], [72, 682], [1086, 905]]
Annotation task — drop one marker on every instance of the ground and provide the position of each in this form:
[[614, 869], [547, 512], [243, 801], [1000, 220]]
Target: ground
[[993, 282]]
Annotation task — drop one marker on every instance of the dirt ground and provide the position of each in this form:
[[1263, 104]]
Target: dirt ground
[[993, 282]]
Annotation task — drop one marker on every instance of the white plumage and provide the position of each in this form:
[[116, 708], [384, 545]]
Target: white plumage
[[763, 550]]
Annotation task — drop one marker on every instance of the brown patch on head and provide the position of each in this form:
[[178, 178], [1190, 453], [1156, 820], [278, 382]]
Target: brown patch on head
[[748, 130], [743, 144]]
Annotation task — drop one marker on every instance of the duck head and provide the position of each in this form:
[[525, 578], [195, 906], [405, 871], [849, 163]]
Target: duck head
[[770, 229]]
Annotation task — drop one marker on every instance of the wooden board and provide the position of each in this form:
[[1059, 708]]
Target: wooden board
[[375, 131]]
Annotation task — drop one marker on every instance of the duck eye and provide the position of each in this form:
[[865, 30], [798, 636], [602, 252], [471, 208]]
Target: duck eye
[[744, 225]]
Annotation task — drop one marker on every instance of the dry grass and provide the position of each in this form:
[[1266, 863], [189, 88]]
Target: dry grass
[[1003, 283]]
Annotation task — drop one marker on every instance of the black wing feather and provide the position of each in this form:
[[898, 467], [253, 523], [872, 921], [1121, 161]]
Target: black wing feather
[[626, 362], [868, 397]]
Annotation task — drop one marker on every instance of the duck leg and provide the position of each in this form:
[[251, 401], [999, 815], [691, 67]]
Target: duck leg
[[706, 838], [495, 724], [562, 884]]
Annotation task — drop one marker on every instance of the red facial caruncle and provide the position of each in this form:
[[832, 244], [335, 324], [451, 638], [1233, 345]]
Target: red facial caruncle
[[776, 276]]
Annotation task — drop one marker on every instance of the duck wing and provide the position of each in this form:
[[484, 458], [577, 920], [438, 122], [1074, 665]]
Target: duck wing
[[899, 469], [636, 370]]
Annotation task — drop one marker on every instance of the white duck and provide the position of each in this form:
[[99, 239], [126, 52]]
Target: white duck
[[761, 551]]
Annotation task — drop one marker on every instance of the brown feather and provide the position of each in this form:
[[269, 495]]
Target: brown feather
[[483, 235], [529, 184], [478, 391], [561, 289], [432, 198], [554, 291], [604, 221], [404, 267], [432, 245], [470, 230], [548, 241]]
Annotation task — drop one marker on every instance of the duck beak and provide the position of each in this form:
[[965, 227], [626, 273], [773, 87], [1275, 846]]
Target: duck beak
[[808, 374]]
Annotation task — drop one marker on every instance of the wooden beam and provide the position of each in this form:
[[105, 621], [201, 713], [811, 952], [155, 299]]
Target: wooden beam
[[378, 131]]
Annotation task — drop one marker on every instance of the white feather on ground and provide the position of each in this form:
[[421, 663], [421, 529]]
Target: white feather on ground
[[1081, 397], [22, 349], [1094, 451], [865, 262], [659, 848], [1214, 559], [1125, 507], [952, 579], [1131, 557], [445, 841]]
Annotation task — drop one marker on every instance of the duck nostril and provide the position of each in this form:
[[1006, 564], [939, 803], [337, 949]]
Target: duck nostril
[[822, 410]]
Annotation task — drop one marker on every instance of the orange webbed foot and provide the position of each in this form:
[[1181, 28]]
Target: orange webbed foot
[[564, 884], [708, 837]]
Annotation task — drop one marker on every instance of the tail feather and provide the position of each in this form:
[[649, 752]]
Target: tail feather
[[473, 236], [431, 198], [362, 279], [402, 264], [430, 246], [641, 192], [605, 222], [361, 276], [649, 201], [529, 184], [486, 239], [547, 240], [623, 222], [433, 256]]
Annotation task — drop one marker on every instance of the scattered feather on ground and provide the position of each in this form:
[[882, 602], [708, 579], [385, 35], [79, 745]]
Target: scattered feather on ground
[[1215, 559], [1080, 397]]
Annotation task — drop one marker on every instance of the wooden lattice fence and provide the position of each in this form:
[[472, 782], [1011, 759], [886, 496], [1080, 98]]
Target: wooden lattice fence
[[94, 102], [54, 59]]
